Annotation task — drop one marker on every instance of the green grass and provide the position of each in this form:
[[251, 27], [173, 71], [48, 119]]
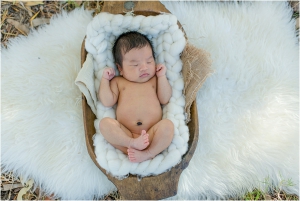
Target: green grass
[[73, 3], [267, 191], [295, 15], [255, 195]]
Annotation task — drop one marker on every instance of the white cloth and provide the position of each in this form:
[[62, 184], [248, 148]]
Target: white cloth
[[85, 82]]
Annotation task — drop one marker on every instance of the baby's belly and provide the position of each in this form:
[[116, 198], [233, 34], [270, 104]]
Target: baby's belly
[[148, 115]]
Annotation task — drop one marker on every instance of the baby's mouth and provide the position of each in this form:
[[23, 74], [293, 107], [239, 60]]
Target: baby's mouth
[[144, 75]]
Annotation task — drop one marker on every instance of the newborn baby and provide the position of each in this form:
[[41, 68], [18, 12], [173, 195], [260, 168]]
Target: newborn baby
[[138, 129]]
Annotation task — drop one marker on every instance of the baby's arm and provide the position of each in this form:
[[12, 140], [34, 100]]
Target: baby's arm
[[164, 89], [108, 90]]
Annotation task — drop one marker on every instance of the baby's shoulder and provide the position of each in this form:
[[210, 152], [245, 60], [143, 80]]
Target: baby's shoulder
[[119, 80], [116, 78]]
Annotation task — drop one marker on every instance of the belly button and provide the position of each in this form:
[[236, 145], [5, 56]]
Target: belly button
[[139, 123]]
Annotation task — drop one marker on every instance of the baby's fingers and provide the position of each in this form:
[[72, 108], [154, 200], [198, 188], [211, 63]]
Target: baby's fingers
[[109, 73], [158, 68]]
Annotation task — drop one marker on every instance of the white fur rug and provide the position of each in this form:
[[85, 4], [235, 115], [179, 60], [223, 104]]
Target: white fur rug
[[248, 109]]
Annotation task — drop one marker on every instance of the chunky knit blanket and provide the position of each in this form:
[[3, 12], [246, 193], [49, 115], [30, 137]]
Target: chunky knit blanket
[[168, 43]]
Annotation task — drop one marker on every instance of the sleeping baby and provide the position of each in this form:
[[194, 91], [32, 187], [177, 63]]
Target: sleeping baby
[[138, 130]]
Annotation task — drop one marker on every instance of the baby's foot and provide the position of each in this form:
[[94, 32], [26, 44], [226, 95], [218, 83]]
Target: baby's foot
[[141, 142], [137, 156]]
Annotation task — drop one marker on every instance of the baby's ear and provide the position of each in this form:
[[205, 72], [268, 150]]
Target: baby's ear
[[119, 68]]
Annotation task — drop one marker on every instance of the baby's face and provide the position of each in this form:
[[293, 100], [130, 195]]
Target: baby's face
[[138, 65]]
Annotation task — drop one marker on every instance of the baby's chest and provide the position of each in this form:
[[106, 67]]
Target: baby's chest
[[138, 91]]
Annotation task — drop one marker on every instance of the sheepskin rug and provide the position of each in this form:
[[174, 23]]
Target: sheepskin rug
[[248, 109]]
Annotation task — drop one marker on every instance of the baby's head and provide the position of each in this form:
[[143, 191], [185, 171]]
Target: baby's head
[[134, 56], [128, 41]]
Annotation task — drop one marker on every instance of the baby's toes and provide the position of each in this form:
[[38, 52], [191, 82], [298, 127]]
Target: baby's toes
[[131, 156], [146, 136], [130, 152]]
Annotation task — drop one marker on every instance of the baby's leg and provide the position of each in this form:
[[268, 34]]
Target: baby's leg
[[161, 134], [120, 137]]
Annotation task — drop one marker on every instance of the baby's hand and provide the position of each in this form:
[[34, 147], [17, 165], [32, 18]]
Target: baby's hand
[[108, 73], [160, 70]]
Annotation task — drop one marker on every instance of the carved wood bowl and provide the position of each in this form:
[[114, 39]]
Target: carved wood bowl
[[152, 187]]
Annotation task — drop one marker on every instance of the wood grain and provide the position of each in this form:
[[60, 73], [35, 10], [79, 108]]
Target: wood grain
[[141, 7]]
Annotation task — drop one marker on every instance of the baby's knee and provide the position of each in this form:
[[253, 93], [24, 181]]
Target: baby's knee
[[106, 121], [168, 126]]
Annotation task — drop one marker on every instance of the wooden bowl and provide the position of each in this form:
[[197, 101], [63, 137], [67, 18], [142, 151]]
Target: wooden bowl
[[152, 187]]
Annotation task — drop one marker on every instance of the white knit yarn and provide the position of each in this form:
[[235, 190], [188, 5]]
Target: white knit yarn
[[168, 41]]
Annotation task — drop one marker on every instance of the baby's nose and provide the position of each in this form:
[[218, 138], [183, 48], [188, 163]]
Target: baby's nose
[[143, 67]]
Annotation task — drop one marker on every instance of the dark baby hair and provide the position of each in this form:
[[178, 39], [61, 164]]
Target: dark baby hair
[[128, 41]]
